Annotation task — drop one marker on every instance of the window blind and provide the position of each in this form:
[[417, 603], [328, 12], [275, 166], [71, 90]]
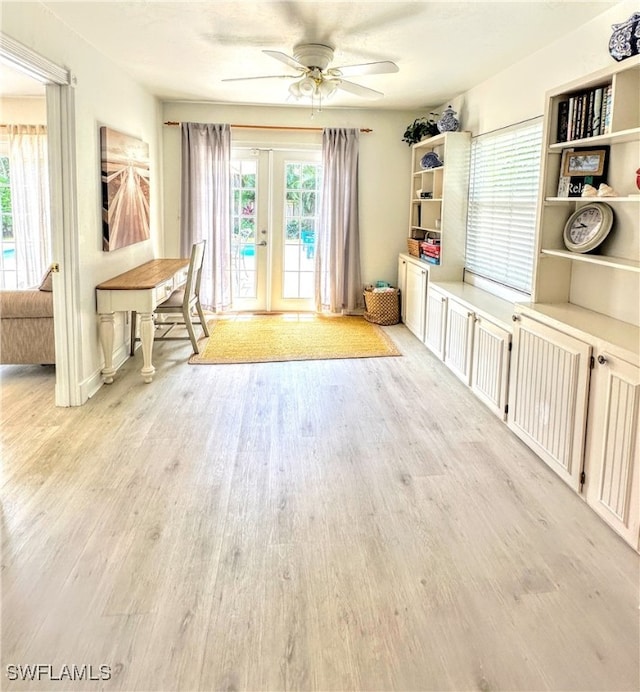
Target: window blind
[[503, 200]]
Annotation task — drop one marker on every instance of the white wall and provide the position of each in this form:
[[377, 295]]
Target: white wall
[[384, 169], [23, 111], [104, 95]]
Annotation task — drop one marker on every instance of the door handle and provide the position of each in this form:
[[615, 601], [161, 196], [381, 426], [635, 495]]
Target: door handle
[[262, 243]]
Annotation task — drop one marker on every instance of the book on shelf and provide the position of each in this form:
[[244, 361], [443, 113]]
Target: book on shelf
[[606, 110], [432, 250], [597, 112], [584, 114], [431, 260], [563, 121]]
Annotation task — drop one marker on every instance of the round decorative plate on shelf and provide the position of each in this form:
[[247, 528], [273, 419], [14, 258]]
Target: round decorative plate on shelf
[[430, 160], [587, 227]]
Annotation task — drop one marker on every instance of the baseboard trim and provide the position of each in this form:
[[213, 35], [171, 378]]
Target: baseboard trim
[[92, 384]]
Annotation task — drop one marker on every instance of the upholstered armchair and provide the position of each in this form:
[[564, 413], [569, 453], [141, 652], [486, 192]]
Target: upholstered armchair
[[26, 325]]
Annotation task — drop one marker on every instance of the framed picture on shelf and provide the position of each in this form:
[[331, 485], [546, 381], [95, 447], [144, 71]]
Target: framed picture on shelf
[[582, 166], [579, 163]]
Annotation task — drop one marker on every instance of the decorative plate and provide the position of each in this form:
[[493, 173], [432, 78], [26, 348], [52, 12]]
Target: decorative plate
[[430, 160]]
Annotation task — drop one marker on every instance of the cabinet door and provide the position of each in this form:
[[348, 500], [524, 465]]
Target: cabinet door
[[436, 321], [490, 368], [459, 341], [415, 299], [611, 467], [548, 395], [402, 285]]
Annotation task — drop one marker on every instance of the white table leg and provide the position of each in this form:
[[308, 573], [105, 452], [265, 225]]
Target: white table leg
[[107, 330], [146, 337]]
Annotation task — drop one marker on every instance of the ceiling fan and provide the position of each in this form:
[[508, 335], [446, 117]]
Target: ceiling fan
[[314, 77]]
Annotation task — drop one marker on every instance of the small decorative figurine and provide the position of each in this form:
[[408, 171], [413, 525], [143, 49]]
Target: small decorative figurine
[[606, 191], [625, 39], [448, 121], [589, 191]]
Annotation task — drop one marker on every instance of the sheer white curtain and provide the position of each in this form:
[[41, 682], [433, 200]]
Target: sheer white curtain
[[30, 202], [338, 283], [206, 191]]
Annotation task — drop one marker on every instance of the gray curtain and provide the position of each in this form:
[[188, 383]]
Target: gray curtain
[[205, 200], [338, 282]]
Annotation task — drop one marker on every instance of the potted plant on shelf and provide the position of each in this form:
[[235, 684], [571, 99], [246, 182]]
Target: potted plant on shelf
[[420, 128]]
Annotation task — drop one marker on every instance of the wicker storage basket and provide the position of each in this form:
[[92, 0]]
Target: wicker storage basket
[[383, 307], [413, 244]]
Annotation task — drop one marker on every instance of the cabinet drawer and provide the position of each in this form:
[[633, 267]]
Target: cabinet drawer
[[180, 278], [163, 291]]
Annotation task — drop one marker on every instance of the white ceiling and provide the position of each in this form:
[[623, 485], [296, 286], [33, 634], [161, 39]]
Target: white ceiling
[[182, 50]]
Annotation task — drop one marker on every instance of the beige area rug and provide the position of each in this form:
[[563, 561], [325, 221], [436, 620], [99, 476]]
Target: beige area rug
[[282, 337]]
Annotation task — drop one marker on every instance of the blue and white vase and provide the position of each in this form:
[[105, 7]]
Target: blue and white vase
[[448, 121], [625, 39]]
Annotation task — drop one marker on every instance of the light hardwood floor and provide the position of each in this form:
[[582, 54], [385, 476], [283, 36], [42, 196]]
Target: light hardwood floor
[[325, 525]]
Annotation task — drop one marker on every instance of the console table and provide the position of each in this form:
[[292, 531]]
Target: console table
[[140, 290]]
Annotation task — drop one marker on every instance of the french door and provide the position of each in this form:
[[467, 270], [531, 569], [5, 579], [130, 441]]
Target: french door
[[274, 216]]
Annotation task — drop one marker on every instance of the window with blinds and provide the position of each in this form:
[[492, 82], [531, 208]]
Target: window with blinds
[[503, 196]]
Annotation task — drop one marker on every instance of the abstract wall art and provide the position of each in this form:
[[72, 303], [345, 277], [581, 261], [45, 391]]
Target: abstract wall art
[[125, 189]]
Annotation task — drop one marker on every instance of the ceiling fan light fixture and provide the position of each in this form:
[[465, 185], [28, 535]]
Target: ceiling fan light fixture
[[328, 87], [307, 86], [294, 90], [316, 80]]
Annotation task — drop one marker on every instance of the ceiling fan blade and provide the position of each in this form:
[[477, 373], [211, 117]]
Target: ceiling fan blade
[[359, 90], [382, 67], [286, 59], [266, 76]]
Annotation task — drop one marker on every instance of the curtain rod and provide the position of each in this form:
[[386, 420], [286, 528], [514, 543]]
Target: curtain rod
[[5, 125], [174, 123]]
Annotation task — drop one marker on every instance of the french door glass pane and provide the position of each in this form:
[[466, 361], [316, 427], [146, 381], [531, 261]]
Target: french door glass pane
[[244, 223], [8, 274], [302, 207]]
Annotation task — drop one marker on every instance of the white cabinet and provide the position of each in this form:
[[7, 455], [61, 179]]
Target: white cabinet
[[490, 367], [612, 468], [470, 330], [438, 200], [459, 340], [415, 298], [436, 321], [575, 400], [548, 395]]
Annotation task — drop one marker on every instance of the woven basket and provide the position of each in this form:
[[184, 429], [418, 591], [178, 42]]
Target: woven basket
[[413, 244], [382, 308]]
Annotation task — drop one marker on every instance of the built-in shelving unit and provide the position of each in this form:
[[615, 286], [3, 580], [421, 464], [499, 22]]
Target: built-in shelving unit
[[441, 213], [605, 280], [581, 335]]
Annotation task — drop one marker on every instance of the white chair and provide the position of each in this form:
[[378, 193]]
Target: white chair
[[182, 301]]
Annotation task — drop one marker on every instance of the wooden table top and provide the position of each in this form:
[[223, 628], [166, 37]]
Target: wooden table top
[[147, 275]]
